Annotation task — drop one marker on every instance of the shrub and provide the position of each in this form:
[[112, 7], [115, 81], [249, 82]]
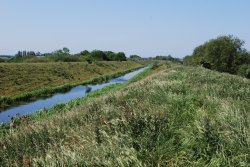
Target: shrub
[[225, 54], [2, 60], [244, 70]]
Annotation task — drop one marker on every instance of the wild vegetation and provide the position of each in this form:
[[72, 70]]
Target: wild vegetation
[[224, 54], [2, 60], [156, 58], [176, 116], [23, 81], [63, 55]]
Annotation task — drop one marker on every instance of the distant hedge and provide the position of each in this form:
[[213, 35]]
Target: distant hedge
[[63, 55], [2, 60], [104, 55]]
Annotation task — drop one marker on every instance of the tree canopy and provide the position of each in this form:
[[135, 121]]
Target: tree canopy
[[225, 54], [134, 57], [106, 56], [64, 55]]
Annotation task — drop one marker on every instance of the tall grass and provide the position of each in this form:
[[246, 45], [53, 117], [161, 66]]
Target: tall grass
[[179, 116]]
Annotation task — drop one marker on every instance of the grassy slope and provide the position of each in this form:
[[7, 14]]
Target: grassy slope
[[24, 77], [179, 116]]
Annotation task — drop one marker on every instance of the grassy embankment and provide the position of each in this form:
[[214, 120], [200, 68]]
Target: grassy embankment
[[179, 116], [22, 82]]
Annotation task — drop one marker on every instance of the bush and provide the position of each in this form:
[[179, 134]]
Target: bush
[[107, 56], [98, 55], [2, 60], [244, 70], [225, 54]]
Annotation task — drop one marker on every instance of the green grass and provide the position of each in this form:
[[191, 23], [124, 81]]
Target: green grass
[[18, 78], [39, 80], [176, 116], [64, 107]]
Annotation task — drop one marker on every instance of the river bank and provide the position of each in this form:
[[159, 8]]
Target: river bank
[[35, 84], [78, 91]]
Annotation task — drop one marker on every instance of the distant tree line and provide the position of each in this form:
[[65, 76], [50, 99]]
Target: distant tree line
[[224, 54], [2, 60], [167, 58], [5, 58], [63, 55], [26, 53], [103, 55], [135, 57]]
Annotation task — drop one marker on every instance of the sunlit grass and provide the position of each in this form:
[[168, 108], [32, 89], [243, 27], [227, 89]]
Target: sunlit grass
[[177, 116], [22, 82], [19, 78]]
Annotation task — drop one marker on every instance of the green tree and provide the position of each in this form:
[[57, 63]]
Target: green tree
[[98, 55], [84, 53], [2, 60], [30, 53], [19, 54], [135, 57], [222, 52], [244, 70], [110, 55], [120, 56], [66, 51], [60, 55], [225, 54]]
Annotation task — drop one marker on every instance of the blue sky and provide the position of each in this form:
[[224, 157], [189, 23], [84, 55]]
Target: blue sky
[[143, 27]]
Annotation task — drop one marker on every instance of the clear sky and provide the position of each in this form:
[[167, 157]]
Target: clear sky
[[143, 27]]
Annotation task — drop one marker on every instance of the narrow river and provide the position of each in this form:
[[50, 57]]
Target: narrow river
[[76, 92]]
